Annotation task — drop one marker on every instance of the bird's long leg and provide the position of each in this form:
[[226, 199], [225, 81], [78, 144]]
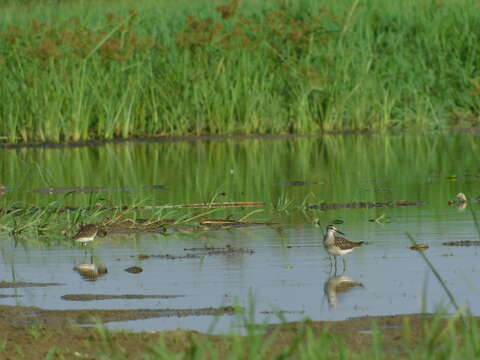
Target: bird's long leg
[[331, 263], [344, 264], [335, 259]]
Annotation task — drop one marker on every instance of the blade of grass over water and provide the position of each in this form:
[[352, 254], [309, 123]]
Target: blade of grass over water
[[437, 275], [73, 72], [475, 220]]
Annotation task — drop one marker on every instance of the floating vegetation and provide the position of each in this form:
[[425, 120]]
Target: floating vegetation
[[200, 252], [226, 250], [169, 256], [93, 297], [22, 284], [382, 219], [419, 247], [462, 243], [362, 205]]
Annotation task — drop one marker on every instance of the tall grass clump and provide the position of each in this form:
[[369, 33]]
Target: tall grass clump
[[81, 69]]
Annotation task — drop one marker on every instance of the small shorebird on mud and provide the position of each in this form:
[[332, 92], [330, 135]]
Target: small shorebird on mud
[[86, 234], [336, 246]]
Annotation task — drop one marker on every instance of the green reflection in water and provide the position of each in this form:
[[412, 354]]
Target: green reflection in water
[[343, 168]]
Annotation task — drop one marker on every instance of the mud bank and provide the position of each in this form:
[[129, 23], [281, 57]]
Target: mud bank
[[33, 333]]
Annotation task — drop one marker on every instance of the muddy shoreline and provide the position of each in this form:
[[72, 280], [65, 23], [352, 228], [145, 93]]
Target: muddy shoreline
[[30, 331]]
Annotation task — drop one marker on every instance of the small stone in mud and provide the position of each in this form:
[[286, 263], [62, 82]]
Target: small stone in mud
[[134, 270]]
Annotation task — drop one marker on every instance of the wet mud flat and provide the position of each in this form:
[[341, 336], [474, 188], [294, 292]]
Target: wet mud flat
[[30, 332]]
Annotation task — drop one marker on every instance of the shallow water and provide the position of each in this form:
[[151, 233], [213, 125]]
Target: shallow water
[[289, 269]]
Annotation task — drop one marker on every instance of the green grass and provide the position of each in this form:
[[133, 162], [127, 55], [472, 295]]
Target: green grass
[[437, 338], [81, 69]]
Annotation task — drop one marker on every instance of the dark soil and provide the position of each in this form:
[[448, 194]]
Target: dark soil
[[32, 333]]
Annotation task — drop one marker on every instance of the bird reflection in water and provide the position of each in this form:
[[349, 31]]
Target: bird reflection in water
[[91, 271], [336, 285]]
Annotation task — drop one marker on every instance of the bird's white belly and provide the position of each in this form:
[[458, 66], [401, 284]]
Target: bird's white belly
[[85, 239], [333, 250]]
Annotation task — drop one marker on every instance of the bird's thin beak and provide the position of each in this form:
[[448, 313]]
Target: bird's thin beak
[[338, 231]]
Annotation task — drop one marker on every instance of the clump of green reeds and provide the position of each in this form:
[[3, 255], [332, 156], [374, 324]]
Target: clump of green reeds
[[71, 72]]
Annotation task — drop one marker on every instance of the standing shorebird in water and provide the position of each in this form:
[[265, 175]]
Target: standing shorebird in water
[[336, 246], [86, 234]]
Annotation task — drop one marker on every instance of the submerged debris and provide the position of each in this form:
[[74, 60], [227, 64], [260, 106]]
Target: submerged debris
[[200, 252], [462, 243], [227, 250], [361, 205], [92, 297], [21, 284], [169, 256]]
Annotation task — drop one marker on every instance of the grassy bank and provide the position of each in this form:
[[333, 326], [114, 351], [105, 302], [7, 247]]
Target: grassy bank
[[393, 337], [83, 69]]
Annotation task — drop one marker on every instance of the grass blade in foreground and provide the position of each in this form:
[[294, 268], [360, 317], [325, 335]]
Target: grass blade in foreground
[[437, 275]]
